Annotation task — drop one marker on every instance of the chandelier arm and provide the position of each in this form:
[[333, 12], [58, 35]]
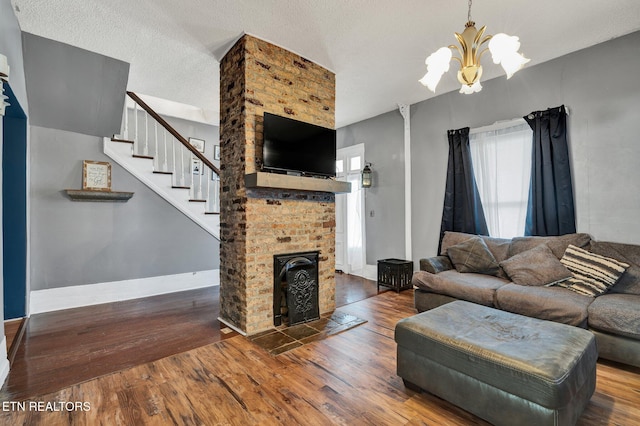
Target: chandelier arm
[[458, 59], [453, 46], [482, 53], [479, 35], [484, 40], [462, 42]]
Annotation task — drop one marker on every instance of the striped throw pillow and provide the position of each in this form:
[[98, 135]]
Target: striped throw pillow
[[593, 274]]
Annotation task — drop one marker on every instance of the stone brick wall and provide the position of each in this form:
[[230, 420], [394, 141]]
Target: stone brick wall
[[257, 223]]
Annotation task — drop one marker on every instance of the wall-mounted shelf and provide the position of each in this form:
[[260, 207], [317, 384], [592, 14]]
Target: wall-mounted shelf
[[303, 183], [103, 196]]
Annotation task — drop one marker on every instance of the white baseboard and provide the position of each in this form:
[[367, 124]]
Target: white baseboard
[[56, 299], [370, 272], [4, 361]]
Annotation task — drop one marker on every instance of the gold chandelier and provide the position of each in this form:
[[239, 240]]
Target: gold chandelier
[[503, 48]]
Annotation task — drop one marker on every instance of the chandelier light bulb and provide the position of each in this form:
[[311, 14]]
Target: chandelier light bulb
[[437, 65], [504, 50]]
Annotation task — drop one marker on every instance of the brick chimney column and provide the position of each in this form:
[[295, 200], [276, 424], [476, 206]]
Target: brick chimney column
[[258, 223]]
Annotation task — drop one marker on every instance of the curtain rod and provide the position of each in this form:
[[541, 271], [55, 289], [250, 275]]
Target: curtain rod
[[498, 125]]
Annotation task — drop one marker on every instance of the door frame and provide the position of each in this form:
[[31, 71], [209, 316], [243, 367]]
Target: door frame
[[345, 154]]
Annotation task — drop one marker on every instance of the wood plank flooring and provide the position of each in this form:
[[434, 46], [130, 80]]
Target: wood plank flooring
[[66, 347], [348, 378], [63, 348]]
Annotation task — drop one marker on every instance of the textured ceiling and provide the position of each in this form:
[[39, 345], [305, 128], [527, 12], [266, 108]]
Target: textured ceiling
[[376, 48]]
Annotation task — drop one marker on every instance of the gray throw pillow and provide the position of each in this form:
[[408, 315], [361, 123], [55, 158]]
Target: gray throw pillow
[[593, 274], [557, 244], [536, 267], [473, 255]]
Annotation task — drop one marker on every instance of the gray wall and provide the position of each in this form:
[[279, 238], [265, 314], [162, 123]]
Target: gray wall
[[384, 201], [73, 89], [75, 243], [601, 92]]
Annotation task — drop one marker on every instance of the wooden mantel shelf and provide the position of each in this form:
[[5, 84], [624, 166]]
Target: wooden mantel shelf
[[303, 183], [103, 196]]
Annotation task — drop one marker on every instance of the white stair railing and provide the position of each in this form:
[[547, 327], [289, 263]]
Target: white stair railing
[[170, 152]]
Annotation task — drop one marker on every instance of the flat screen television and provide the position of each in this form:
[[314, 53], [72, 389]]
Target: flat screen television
[[297, 147]]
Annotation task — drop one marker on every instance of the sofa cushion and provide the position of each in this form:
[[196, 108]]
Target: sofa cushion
[[537, 266], [436, 264], [593, 274], [629, 283], [472, 287], [548, 303], [473, 255], [499, 247], [616, 314], [557, 244]]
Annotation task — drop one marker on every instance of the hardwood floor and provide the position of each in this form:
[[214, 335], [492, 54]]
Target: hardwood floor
[[62, 348], [348, 378], [350, 288]]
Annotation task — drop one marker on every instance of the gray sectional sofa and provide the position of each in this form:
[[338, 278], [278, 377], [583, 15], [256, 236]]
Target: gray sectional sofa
[[525, 279]]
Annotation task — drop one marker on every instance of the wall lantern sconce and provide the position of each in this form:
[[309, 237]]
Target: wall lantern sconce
[[367, 176]]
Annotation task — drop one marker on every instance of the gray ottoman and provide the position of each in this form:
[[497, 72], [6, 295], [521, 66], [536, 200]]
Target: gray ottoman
[[505, 368]]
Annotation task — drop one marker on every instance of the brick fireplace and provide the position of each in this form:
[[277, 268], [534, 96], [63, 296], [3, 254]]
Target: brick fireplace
[[257, 223]]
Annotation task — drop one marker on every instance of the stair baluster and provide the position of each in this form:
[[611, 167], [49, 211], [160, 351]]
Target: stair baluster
[[136, 138], [207, 205], [145, 149], [126, 123], [200, 174], [182, 177], [156, 159], [192, 186], [165, 166], [174, 177]]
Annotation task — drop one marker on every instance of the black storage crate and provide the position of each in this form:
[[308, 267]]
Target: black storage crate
[[395, 273]]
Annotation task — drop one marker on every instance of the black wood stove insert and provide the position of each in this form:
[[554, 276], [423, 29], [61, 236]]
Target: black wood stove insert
[[295, 288]]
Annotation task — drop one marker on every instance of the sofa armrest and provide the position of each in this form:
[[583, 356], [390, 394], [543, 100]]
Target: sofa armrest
[[436, 264]]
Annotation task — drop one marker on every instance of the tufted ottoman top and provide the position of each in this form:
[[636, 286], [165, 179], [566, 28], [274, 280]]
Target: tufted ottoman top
[[541, 361]]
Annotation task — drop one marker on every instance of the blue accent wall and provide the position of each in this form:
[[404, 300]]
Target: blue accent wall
[[14, 213]]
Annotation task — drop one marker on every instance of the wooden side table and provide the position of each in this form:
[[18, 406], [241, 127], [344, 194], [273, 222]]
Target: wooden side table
[[395, 274]]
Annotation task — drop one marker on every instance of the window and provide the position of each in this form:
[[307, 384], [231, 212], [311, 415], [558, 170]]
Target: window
[[501, 156], [355, 164]]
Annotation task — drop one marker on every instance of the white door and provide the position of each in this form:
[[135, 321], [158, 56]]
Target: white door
[[350, 236]]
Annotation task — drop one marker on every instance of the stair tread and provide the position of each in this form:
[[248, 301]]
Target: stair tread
[[142, 156], [162, 172], [121, 140], [211, 212], [197, 200], [181, 187]]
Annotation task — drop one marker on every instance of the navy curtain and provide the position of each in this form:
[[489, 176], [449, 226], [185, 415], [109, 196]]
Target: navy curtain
[[462, 210], [550, 210]]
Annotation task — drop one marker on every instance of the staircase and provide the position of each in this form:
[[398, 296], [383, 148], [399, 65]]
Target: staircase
[[155, 153]]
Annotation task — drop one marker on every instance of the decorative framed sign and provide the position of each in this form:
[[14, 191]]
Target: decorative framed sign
[[216, 152], [196, 167], [197, 144], [96, 176]]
